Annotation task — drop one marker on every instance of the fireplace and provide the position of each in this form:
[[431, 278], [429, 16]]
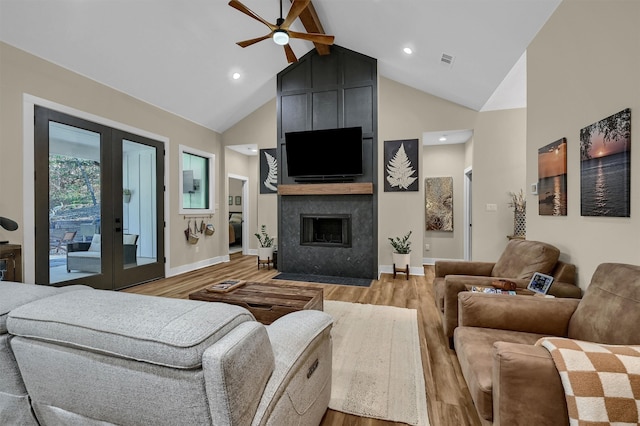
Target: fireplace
[[325, 230], [353, 215]]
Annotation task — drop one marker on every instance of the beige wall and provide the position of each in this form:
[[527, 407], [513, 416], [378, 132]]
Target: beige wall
[[445, 161], [22, 73], [259, 128], [584, 65], [235, 190], [406, 113], [499, 160]]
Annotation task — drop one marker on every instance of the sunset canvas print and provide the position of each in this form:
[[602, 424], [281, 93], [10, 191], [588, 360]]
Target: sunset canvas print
[[552, 179], [605, 166]]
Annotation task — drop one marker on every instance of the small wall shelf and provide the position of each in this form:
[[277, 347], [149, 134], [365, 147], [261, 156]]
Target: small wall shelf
[[327, 189]]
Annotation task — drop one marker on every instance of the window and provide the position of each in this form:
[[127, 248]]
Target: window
[[196, 181]]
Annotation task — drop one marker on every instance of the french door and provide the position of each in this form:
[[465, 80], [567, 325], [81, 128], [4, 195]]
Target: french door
[[99, 204]]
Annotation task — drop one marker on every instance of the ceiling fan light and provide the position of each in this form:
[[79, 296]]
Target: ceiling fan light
[[280, 37]]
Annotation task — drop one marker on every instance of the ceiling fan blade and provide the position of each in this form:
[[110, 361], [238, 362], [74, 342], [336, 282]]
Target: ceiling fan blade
[[316, 38], [296, 9], [244, 9], [247, 43], [291, 57]]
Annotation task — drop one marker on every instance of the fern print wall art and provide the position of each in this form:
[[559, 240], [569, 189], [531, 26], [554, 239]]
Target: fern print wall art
[[268, 171], [401, 165]]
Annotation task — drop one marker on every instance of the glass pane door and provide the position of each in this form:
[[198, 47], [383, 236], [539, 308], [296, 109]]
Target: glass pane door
[[72, 166], [142, 210], [99, 204], [75, 250]]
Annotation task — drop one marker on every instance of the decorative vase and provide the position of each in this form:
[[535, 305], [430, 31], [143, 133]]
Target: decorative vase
[[265, 253], [519, 223]]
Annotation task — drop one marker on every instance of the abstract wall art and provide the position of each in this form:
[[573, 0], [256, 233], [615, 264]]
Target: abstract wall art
[[401, 165], [439, 203], [605, 166]]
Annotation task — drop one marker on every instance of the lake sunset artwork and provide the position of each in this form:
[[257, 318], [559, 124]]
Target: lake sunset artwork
[[552, 179], [605, 166]]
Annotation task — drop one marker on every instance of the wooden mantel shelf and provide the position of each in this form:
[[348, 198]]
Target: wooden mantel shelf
[[327, 189]]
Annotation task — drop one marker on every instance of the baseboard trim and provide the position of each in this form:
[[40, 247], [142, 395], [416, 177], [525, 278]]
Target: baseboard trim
[[197, 265], [432, 261], [388, 269]]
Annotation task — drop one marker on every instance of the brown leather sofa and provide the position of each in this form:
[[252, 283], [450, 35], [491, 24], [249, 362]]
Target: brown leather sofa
[[519, 260], [513, 382]]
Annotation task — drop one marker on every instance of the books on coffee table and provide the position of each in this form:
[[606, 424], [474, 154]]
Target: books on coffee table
[[225, 286]]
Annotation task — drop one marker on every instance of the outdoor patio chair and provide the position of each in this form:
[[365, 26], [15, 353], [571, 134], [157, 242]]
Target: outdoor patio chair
[[59, 245]]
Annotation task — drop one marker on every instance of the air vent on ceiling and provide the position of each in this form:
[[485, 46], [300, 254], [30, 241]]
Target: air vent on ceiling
[[447, 60]]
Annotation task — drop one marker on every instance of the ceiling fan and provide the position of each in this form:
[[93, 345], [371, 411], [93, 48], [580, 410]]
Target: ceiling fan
[[280, 32]]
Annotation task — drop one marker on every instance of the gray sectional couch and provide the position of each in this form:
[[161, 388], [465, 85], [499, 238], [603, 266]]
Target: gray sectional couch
[[80, 356]]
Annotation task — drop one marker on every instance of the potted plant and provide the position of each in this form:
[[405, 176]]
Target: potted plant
[[126, 195], [265, 251], [401, 250]]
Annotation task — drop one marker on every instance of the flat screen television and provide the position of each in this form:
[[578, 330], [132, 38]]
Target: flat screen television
[[324, 155]]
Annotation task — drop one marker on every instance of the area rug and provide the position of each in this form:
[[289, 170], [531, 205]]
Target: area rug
[[377, 369], [323, 279]]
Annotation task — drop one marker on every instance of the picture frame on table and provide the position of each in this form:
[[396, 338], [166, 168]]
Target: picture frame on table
[[540, 283]]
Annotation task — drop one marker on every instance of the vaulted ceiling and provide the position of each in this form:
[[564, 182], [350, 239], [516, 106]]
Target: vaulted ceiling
[[181, 55]]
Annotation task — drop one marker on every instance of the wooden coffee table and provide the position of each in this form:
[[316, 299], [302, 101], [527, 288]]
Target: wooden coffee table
[[267, 302]]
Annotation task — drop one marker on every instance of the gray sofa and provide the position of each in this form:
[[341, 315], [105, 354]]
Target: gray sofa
[[101, 357]]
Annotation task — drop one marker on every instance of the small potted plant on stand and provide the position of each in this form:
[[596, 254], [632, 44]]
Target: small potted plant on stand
[[265, 251], [401, 254], [126, 195]]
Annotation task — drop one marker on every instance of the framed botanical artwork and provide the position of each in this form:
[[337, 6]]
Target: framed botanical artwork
[[605, 166], [238, 200], [401, 165], [230, 200], [552, 179], [268, 171], [438, 194]]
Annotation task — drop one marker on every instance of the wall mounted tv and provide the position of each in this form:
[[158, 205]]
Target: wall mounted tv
[[327, 155]]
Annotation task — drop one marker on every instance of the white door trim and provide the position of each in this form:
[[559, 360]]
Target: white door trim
[[467, 213]]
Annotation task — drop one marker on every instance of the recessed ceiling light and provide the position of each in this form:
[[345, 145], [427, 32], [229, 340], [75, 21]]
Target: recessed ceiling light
[[407, 50], [443, 139], [236, 75]]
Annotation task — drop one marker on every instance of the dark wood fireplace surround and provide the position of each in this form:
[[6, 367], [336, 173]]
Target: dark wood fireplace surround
[[323, 92]]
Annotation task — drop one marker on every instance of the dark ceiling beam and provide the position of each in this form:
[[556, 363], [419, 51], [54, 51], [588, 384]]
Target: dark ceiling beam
[[311, 23]]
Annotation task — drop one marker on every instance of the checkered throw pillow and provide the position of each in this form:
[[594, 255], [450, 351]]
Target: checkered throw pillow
[[601, 382]]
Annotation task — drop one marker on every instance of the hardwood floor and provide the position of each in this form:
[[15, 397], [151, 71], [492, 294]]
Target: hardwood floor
[[448, 398]]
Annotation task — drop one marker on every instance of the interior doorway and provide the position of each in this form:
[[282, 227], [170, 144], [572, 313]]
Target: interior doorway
[[238, 213]]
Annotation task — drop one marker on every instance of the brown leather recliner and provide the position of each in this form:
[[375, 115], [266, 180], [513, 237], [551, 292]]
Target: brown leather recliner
[[513, 382], [518, 262]]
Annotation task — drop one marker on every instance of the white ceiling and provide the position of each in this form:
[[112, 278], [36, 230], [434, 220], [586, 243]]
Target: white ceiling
[[180, 55]]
